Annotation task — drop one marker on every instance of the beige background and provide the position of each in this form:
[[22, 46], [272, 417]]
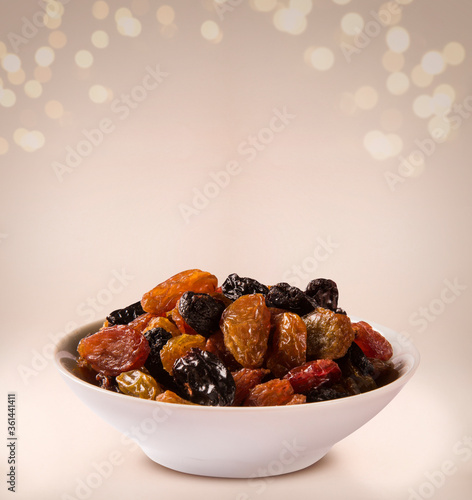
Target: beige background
[[338, 188]]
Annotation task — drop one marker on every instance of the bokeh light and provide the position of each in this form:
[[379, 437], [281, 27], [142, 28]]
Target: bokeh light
[[7, 98], [54, 109], [42, 74], [389, 13], [263, 5], [433, 62], [393, 61], [447, 90], [290, 21], [303, 6], [4, 146], [423, 106], [57, 39], [100, 10], [210, 31], [420, 78], [29, 140], [100, 39], [454, 53], [11, 63], [341, 2], [33, 89], [352, 23], [17, 78], [366, 97], [165, 15], [3, 50], [83, 59], [398, 83], [322, 58], [398, 39], [98, 94], [44, 56], [378, 145]]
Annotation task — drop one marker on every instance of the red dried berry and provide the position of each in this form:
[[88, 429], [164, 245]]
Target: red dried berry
[[372, 343], [313, 374]]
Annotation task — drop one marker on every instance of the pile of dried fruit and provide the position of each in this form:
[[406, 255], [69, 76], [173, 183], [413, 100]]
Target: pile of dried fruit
[[242, 344]]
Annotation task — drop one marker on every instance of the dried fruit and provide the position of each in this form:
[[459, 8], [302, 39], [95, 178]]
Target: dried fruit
[[275, 392], [157, 338], [234, 287], [329, 334], [355, 362], [161, 322], [313, 374], [246, 325], [372, 343], [326, 394], [125, 315], [216, 345], [204, 379], [325, 292], [138, 384], [140, 323], [384, 372], [297, 399], [245, 380], [180, 323], [172, 397], [114, 349], [291, 298], [164, 297], [288, 344], [177, 347], [201, 312]]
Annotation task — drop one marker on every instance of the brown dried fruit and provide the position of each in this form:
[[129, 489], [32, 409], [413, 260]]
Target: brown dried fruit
[[372, 343], [114, 349], [246, 379], [313, 374], [288, 345], [297, 399], [172, 397], [164, 297], [161, 322], [138, 384], [246, 325], [275, 392], [329, 335], [216, 345], [176, 347]]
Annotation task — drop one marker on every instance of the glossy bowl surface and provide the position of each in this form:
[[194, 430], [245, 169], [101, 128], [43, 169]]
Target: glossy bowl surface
[[235, 442]]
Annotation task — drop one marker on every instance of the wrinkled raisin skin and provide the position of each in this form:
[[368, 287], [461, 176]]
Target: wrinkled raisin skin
[[125, 315], [275, 392], [313, 374], [114, 349], [157, 339], [325, 292], [246, 379], [290, 298], [138, 384], [204, 379], [201, 312], [234, 287], [176, 347], [372, 343]]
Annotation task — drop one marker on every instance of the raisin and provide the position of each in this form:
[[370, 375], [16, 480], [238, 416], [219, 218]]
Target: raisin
[[180, 323], [172, 397], [125, 315], [234, 287], [288, 345], [372, 343], [138, 384], [157, 338], [140, 323], [177, 347], [355, 362], [290, 298], [275, 392], [325, 292], [384, 372], [245, 380], [313, 374], [204, 379], [329, 334], [114, 349], [325, 394], [297, 399], [164, 297], [246, 326], [216, 345], [165, 323], [201, 312]]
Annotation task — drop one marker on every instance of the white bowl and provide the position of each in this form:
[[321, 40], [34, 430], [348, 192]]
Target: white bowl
[[237, 442]]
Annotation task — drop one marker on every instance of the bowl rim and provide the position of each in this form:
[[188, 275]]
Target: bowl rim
[[407, 349]]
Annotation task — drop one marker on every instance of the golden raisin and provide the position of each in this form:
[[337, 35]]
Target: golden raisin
[[172, 397], [176, 347], [272, 393], [246, 326], [245, 380], [161, 322], [138, 384]]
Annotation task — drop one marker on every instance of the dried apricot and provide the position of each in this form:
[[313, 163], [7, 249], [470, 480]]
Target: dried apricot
[[164, 297], [246, 326], [114, 349]]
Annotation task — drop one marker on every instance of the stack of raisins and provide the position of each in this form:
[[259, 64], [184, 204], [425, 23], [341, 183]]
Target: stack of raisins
[[189, 341]]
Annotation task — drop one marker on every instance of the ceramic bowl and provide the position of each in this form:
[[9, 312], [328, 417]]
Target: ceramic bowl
[[235, 442]]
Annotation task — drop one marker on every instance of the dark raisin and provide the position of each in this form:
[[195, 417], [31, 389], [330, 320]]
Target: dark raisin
[[204, 379], [290, 298], [325, 293], [325, 394], [384, 371], [157, 338], [125, 315], [355, 362], [201, 312], [234, 286], [340, 311]]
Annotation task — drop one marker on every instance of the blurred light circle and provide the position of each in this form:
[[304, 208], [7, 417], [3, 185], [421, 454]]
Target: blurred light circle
[[352, 23], [44, 56], [98, 94], [454, 53], [4, 146], [42, 74], [398, 83], [83, 59], [100, 10], [423, 106], [33, 89], [210, 30], [398, 39], [57, 39], [290, 21], [100, 39], [393, 61], [7, 98], [366, 97], [446, 89], [11, 63], [420, 78], [378, 145], [304, 6], [322, 58], [165, 14], [433, 63], [17, 78], [54, 109], [264, 5]]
